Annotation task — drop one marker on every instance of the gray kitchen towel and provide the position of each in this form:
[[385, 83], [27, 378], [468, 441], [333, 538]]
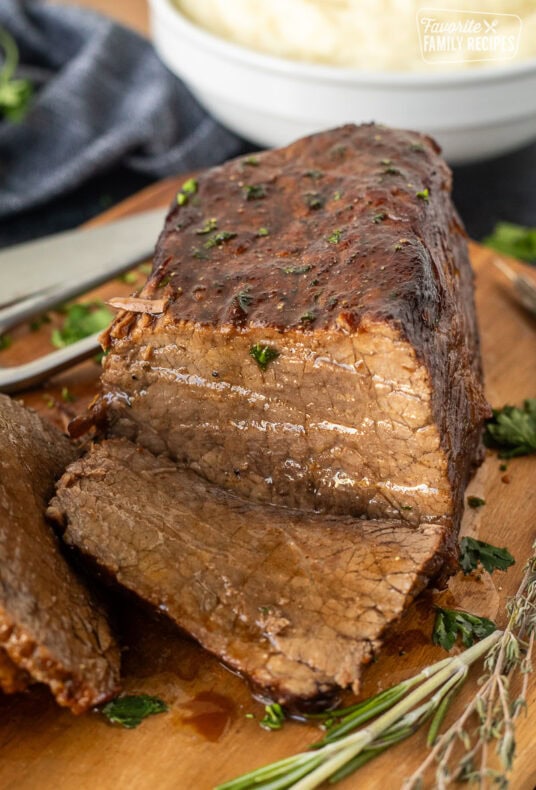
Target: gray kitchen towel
[[103, 98]]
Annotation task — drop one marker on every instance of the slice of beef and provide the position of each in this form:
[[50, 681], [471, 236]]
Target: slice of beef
[[342, 254], [50, 627], [297, 602], [12, 677]]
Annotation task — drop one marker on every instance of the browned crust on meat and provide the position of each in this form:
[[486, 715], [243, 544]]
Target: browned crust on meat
[[51, 628]]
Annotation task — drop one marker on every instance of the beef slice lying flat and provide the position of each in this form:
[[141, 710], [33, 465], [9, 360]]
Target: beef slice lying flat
[[51, 629], [296, 602]]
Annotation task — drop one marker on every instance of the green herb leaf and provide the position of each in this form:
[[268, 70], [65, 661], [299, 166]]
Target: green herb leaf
[[5, 342], [81, 320], [274, 717], [131, 709], [335, 237], [263, 355], [188, 189], [451, 623], [128, 277], [475, 501], [254, 191], [473, 551], [67, 396], [15, 94], [252, 161], [36, 323], [514, 240], [308, 316], [218, 239], [295, 269], [210, 225], [244, 300], [314, 174], [314, 200], [512, 431], [263, 232], [424, 194], [380, 217]]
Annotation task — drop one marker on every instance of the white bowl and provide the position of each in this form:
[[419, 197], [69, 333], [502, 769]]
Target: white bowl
[[473, 113]]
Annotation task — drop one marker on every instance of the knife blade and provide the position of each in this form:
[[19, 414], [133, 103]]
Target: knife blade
[[42, 265]]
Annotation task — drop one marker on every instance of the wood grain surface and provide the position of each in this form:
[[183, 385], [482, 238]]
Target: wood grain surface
[[206, 737]]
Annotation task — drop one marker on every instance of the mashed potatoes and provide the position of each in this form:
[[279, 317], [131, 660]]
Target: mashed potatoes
[[373, 35]]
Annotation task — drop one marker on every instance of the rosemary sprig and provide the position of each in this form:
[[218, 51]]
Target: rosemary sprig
[[395, 714], [342, 750], [492, 705]]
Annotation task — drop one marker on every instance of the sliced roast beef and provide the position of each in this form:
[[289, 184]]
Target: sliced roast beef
[[12, 677], [308, 334], [51, 629], [297, 602]]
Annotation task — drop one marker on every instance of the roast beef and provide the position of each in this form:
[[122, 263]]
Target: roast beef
[[51, 629], [297, 602], [308, 335]]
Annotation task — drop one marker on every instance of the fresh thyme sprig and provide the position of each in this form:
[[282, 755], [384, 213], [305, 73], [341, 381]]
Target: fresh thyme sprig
[[492, 705]]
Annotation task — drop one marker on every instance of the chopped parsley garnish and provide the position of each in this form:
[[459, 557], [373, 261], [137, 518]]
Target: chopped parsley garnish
[[391, 171], [67, 396], [244, 300], [424, 194], [514, 240], [274, 717], [15, 94], [36, 323], [210, 225], [81, 320], [5, 342], [417, 147], [473, 551], [128, 277], [164, 281], [130, 710], [451, 623], [295, 269], [337, 195], [335, 237], [263, 355], [475, 501], [254, 191], [218, 239], [512, 431], [263, 232], [314, 174], [188, 189], [314, 200], [380, 217], [308, 316], [252, 161]]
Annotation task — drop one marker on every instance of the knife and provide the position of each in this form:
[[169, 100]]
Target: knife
[[54, 265]]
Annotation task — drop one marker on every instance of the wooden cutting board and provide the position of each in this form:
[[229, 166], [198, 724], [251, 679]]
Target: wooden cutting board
[[206, 737]]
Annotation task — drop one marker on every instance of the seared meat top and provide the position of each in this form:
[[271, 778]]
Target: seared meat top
[[338, 225]]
